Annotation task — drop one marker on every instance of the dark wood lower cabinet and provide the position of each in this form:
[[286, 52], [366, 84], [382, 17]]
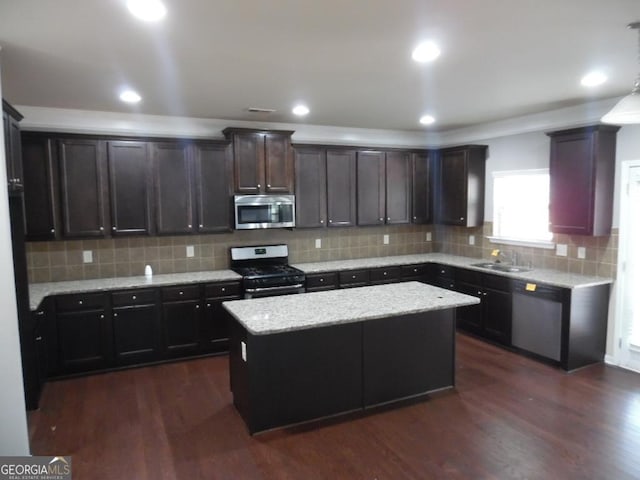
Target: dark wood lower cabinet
[[180, 322], [84, 340], [291, 377], [136, 334]]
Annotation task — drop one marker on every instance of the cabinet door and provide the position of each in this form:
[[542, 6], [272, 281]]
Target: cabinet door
[[82, 187], [129, 178], [278, 163], [83, 341], [136, 334], [39, 192], [311, 187], [453, 188], [497, 315], [249, 154], [371, 188], [214, 180], [172, 185], [398, 188], [181, 322], [341, 188], [421, 198], [571, 183], [470, 318], [14, 157], [215, 326]]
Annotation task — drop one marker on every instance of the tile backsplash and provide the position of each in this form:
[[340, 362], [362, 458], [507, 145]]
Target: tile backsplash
[[601, 253], [122, 257]]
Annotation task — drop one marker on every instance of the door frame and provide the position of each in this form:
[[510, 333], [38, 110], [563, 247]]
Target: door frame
[[625, 174]]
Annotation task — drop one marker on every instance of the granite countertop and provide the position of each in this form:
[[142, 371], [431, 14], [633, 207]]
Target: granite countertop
[[536, 275], [38, 291], [262, 316]]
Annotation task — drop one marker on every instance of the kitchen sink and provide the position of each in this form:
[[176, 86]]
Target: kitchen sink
[[501, 267]]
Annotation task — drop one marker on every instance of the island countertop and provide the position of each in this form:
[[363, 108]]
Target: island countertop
[[269, 315]]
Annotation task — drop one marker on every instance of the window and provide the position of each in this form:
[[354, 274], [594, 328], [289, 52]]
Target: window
[[521, 206]]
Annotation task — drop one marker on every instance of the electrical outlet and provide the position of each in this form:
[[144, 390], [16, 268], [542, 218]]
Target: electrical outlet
[[190, 251], [582, 253], [561, 250], [428, 236], [87, 256], [318, 243], [472, 239], [385, 239]]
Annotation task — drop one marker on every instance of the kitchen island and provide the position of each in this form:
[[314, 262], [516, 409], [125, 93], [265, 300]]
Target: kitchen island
[[302, 357]]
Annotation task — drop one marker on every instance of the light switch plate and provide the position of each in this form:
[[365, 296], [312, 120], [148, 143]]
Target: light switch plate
[[428, 236], [190, 251], [561, 250], [582, 253], [385, 239], [318, 243], [87, 256], [243, 351], [472, 239]]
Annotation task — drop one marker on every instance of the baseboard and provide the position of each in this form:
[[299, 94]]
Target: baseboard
[[610, 360]]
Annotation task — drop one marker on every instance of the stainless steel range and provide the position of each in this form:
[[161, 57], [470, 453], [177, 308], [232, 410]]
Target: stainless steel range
[[265, 271]]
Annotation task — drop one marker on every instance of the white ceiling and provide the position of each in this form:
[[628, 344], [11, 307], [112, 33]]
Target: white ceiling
[[348, 60]]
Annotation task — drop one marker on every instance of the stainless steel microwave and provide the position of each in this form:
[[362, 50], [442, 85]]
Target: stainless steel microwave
[[264, 211]]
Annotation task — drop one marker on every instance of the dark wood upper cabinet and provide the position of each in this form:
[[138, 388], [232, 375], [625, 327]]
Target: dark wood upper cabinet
[[263, 160], [13, 156], [214, 187], [581, 170], [461, 185], [173, 191], [398, 187], [40, 192], [371, 187], [341, 187], [384, 187], [311, 187], [82, 187], [422, 190], [129, 188]]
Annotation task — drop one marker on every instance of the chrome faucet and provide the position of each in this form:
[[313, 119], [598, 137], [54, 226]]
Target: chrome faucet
[[500, 254]]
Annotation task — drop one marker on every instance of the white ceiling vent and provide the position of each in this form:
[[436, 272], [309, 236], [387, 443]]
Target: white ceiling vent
[[260, 110]]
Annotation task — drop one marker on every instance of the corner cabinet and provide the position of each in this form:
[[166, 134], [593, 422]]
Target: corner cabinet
[[263, 160], [461, 175], [581, 170]]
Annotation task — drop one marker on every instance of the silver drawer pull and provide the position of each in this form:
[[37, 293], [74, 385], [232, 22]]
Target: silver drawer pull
[[181, 293], [79, 302], [223, 289], [353, 276], [384, 273], [321, 280], [134, 297], [197, 307], [208, 305]]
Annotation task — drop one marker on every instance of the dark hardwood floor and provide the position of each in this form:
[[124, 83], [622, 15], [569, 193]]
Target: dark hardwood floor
[[509, 417]]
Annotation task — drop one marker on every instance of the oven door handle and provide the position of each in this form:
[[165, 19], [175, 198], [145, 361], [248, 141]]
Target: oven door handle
[[274, 289]]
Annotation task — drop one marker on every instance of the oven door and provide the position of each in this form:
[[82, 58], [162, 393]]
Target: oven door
[[264, 211], [273, 291]]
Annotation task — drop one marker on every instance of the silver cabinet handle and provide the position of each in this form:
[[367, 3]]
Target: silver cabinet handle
[[330, 221], [353, 276], [321, 221], [40, 313], [415, 270], [79, 302], [268, 185], [101, 316], [384, 273], [189, 226], [53, 230], [461, 218], [208, 305], [381, 219], [102, 229], [258, 185], [479, 293], [485, 294], [201, 225], [113, 228], [181, 293], [223, 289], [133, 297], [321, 280], [197, 307], [388, 219], [115, 315], [415, 218], [39, 338]]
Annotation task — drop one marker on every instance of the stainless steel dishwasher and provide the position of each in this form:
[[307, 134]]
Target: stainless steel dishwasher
[[537, 319]]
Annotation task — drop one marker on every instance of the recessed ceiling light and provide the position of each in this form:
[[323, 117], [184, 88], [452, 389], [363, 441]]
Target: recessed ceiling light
[[129, 96], [593, 79], [427, 120], [425, 52], [300, 110], [147, 10]]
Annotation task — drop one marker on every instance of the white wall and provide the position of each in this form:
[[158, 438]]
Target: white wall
[[14, 437]]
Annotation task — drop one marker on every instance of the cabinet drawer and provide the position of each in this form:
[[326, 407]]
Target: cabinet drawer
[[443, 271], [413, 270], [327, 280], [469, 276], [497, 282], [133, 297], [384, 275], [227, 289], [354, 278], [539, 290], [185, 292], [80, 301]]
